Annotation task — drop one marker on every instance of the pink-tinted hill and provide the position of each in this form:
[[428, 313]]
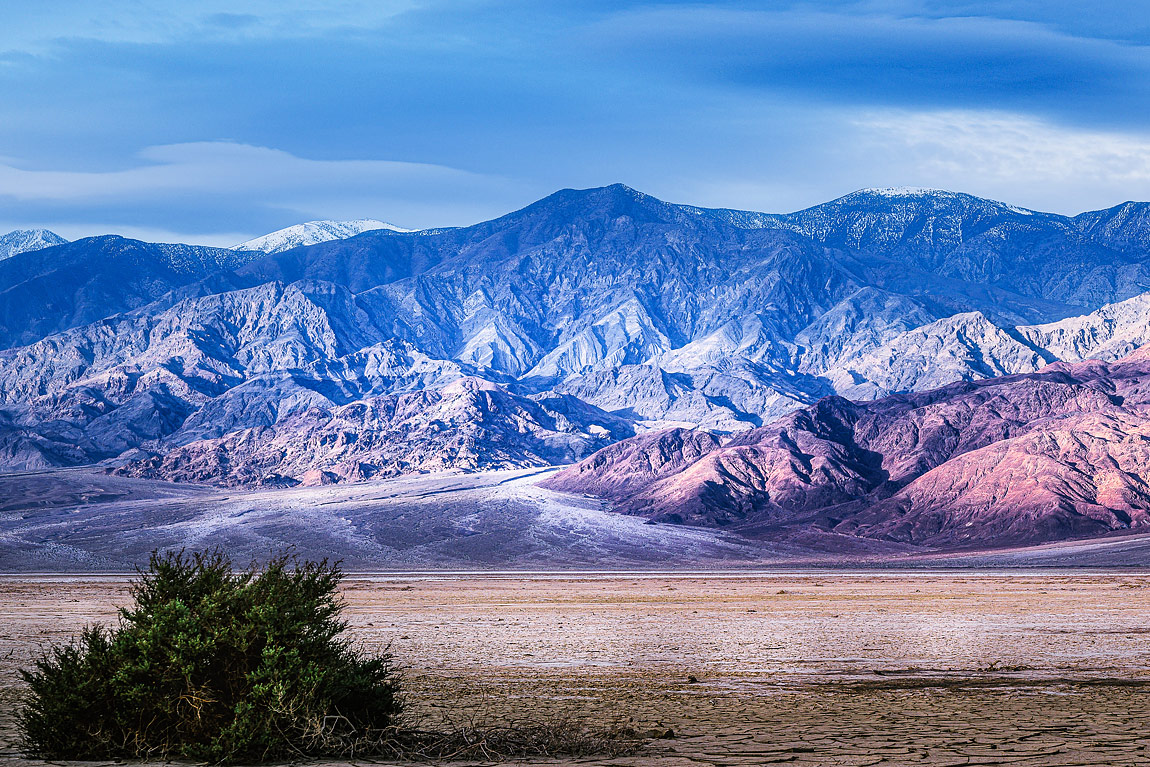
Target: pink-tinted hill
[[1061, 453]]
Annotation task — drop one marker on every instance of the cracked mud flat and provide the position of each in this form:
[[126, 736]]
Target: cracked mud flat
[[806, 668]]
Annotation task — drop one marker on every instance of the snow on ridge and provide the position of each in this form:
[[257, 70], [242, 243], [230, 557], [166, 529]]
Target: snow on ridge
[[24, 240], [922, 191], [314, 232], [903, 191]]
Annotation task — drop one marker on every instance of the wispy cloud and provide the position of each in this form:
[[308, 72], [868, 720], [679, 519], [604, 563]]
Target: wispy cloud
[[445, 111], [1017, 158], [892, 54], [233, 183], [32, 27]]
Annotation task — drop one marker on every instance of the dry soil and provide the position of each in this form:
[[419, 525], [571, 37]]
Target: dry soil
[[800, 668]]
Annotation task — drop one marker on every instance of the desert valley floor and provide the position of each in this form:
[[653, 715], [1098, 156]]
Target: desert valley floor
[[84, 520], [802, 667]]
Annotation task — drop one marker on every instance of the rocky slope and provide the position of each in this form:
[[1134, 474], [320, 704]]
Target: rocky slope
[[1124, 227], [52, 289], [1085, 261], [469, 424], [1111, 332], [616, 303], [1058, 453]]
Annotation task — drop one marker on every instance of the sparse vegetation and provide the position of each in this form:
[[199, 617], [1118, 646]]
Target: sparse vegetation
[[493, 742], [215, 665]]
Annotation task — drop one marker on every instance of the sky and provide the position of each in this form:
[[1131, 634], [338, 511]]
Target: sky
[[212, 122]]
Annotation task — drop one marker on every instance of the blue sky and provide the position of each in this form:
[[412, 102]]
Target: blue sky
[[223, 120]]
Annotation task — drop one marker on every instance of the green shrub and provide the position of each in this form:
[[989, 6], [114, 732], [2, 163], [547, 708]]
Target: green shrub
[[214, 665]]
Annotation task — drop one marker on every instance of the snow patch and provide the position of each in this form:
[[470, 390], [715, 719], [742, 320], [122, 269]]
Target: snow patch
[[313, 233], [25, 240]]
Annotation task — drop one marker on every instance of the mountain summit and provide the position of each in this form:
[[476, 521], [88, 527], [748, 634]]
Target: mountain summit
[[25, 240]]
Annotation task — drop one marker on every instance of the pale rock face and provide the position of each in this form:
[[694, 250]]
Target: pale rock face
[[964, 347], [495, 343], [1110, 333], [746, 338], [258, 402], [725, 399], [468, 424], [384, 367], [857, 325], [624, 336]]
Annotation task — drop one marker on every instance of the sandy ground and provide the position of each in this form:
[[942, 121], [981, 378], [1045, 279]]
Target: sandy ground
[[807, 668], [83, 520]]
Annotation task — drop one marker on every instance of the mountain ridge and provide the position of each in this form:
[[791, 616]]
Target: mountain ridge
[[23, 240], [594, 314], [313, 233]]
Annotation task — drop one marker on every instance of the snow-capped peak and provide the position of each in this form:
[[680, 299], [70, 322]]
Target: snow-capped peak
[[902, 191], [314, 232], [922, 191], [24, 240]]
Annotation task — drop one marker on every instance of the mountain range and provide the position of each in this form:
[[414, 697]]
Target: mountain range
[[590, 320]]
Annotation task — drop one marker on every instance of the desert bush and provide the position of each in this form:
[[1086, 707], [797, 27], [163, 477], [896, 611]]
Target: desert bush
[[214, 665]]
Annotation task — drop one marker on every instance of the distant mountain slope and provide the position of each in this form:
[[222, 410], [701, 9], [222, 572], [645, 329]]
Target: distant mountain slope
[[1085, 261], [1124, 227], [923, 225], [962, 347], [608, 300], [24, 240], [1111, 332], [60, 287], [1059, 453], [313, 233]]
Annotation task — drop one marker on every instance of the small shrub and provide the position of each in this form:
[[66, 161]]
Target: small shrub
[[214, 665]]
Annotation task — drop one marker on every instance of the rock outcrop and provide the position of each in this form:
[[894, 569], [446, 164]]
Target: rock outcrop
[[469, 424]]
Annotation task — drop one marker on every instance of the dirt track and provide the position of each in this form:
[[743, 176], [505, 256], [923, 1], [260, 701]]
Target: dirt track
[[807, 669]]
